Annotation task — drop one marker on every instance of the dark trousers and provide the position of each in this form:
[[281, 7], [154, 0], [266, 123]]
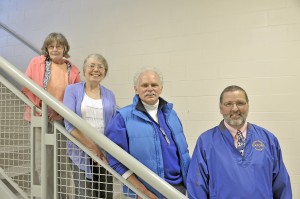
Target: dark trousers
[[101, 186]]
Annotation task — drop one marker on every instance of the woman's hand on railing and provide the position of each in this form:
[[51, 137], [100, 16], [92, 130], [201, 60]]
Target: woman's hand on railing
[[95, 150], [102, 156], [54, 116]]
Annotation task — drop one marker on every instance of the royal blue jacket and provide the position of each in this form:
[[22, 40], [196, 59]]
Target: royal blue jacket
[[134, 131], [217, 170]]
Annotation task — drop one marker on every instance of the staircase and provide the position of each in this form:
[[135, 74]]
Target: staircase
[[18, 148], [14, 144]]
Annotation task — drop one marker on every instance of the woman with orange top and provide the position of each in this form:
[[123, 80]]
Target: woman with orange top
[[53, 72]]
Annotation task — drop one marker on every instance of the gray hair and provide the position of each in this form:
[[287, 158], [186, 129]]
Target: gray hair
[[147, 69], [99, 58]]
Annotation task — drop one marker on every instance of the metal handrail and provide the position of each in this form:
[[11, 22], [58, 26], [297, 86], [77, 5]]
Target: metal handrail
[[24, 41], [62, 130], [143, 172]]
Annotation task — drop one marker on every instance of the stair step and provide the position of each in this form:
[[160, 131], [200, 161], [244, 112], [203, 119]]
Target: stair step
[[11, 188], [10, 149], [17, 170]]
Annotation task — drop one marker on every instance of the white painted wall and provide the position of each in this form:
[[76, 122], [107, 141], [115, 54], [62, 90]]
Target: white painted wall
[[201, 46]]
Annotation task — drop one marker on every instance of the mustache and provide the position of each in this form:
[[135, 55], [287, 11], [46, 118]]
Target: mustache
[[150, 94]]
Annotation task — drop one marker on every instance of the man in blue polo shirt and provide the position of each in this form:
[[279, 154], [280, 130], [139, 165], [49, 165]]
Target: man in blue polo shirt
[[237, 159]]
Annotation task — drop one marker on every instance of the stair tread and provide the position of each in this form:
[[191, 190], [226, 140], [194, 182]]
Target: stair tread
[[6, 149], [18, 170]]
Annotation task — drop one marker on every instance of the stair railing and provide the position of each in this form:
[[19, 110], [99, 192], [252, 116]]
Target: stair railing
[[21, 39], [139, 169]]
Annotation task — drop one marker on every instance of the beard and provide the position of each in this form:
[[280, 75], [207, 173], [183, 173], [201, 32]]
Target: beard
[[235, 122]]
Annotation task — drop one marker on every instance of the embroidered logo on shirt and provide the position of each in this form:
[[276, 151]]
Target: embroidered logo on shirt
[[258, 145]]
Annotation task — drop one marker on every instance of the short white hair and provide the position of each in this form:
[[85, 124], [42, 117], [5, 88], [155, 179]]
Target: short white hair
[[146, 69]]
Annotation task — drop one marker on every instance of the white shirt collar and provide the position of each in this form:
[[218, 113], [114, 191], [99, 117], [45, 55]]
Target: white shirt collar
[[152, 110]]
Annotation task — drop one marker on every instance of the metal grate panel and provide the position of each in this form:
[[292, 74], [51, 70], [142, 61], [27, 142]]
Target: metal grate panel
[[14, 139]]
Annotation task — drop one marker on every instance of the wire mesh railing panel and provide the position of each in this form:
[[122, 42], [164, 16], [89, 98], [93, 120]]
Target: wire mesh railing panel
[[73, 181], [14, 139], [65, 185]]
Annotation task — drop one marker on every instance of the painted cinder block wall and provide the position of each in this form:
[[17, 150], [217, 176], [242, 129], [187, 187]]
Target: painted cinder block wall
[[200, 46]]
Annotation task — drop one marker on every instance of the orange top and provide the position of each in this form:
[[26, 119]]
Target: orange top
[[36, 72], [58, 81]]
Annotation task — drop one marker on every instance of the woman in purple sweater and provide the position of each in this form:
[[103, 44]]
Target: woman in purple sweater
[[96, 105]]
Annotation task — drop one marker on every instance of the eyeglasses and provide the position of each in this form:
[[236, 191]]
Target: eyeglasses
[[58, 47], [99, 67], [238, 104]]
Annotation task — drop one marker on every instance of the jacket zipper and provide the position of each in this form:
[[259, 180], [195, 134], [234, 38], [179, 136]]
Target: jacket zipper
[[165, 135]]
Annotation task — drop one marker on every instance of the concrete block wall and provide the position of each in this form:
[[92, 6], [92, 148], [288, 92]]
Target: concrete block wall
[[201, 47]]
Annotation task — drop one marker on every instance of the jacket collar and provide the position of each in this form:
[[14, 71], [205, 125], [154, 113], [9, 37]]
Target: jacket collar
[[140, 107], [223, 127]]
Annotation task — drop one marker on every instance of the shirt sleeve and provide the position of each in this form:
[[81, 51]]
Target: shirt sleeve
[[77, 78], [281, 179], [70, 102], [116, 132], [197, 178], [28, 73], [127, 174]]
